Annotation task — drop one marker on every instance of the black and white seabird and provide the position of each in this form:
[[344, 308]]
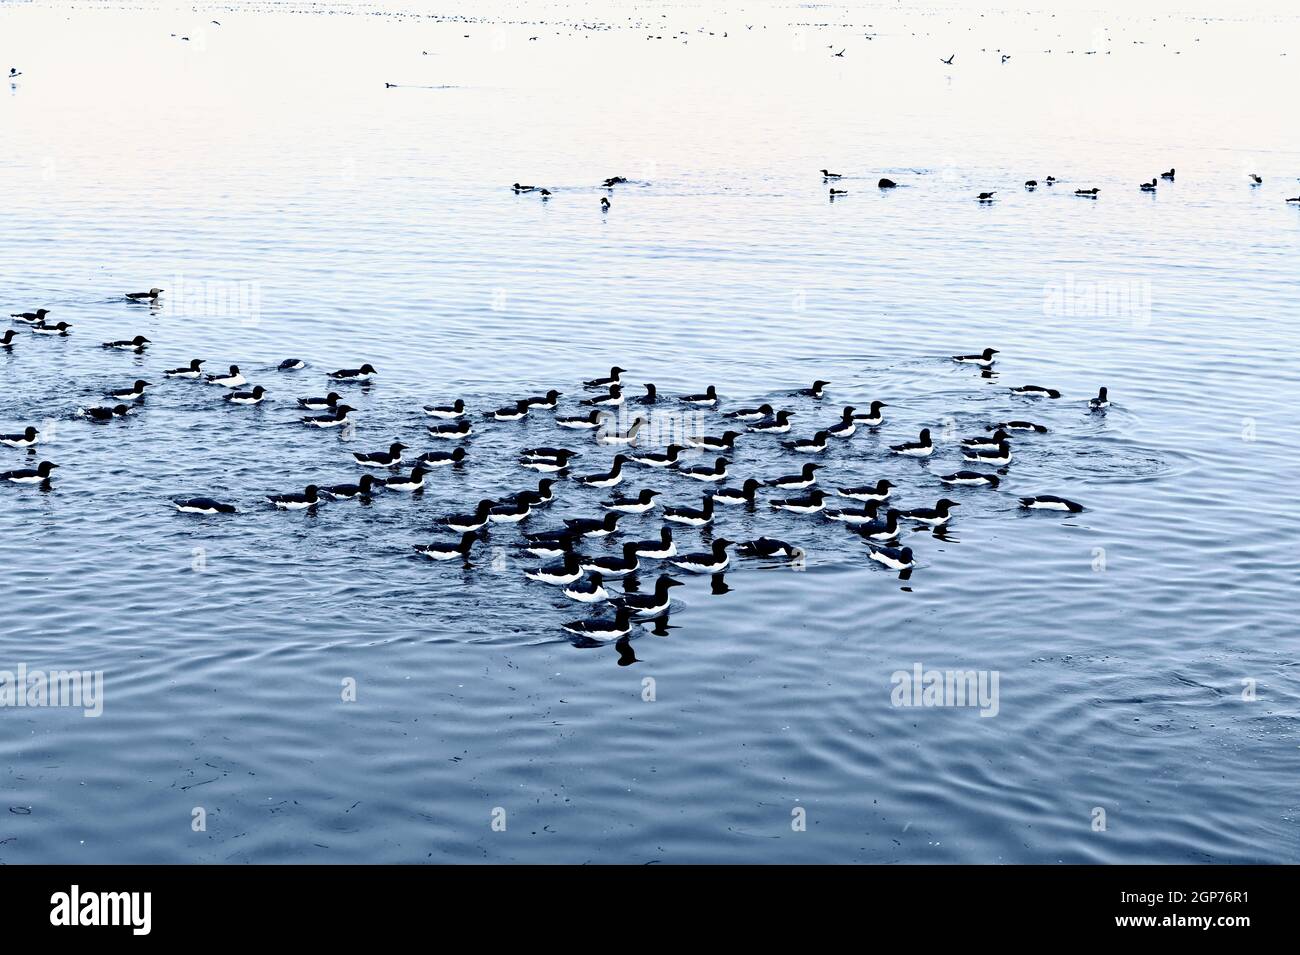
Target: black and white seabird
[[448, 550], [614, 181], [614, 566], [608, 478], [632, 505], [872, 418], [1031, 184], [469, 522], [972, 478], [830, 175], [895, 558], [1255, 180], [868, 492], [232, 380], [593, 526], [814, 445], [254, 397], [809, 503], [545, 402], [520, 188], [345, 492], [193, 370], [363, 373], [652, 604], [651, 395], [815, 391], [36, 475], [656, 549], [621, 437], [615, 376], [611, 399], [738, 495], [340, 416], [797, 482], [32, 318], [704, 472], [441, 459], [1148, 186], [330, 402], [407, 482], [588, 590], [450, 432], [26, 439], [60, 328], [986, 441], [1101, 401], [105, 414], [710, 562], [603, 629], [707, 399], [291, 364], [920, 448], [1035, 391], [381, 459], [453, 410], [852, 515], [936, 516], [1168, 175], [887, 183], [768, 547], [587, 422], [136, 344], [838, 192], [691, 516], [1090, 193], [724, 442], [986, 196], [655, 459], [999, 455], [604, 204], [7, 339], [134, 393], [1050, 502], [750, 414], [1018, 426], [565, 571], [202, 505], [883, 529], [515, 412], [846, 426], [984, 359], [149, 296], [778, 423], [310, 497]]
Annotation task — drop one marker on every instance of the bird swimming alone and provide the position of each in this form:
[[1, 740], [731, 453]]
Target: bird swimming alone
[[202, 505], [1050, 502], [984, 359], [814, 391], [149, 296], [25, 439], [887, 184], [291, 364], [37, 475], [136, 344], [1101, 401], [1036, 391]]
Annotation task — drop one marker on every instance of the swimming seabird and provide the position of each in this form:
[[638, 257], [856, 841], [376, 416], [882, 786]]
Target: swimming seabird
[[135, 344], [606, 479], [151, 295], [923, 447], [650, 397], [704, 472], [724, 442], [706, 400], [623, 437], [291, 364], [615, 375], [1101, 401], [604, 204], [814, 445], [654, 459], [320, 404], [202, 505], [445, 550], [253, 397], [692, 516], [639, 504], [975, 478], [310, 497], [25, 439], [354, 374], [984, 359], [741, 495], [451, 431], [767, 547], [656, 549], [830, 175], [340, 416], [381, 459], [602, 629], [868, 492], [61, 329], [887, 184], [1050, 502], [710, 562], [1168, 175], [895, 558], [872, 418], [193, 370], [807, 477], [773, 424], [587, 422], [134, 393], [345, 492], [37, 475], [105, 414], [232, 380], [652, 604], [986, 196], [31, 317], [440, 459], [815, 391], [611, 399], [935, 516], [1036, 391]]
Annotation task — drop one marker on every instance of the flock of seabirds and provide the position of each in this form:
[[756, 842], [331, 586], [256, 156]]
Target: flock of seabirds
[[602, 419], [830, 178]]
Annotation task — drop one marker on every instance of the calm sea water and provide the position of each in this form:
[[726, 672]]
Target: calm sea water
[[295, 206]]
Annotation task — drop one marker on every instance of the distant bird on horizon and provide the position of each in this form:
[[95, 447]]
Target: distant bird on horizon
[[1148, 186], [887, 184], [841, 53], [839, 192], [1255, 180], [1168, 175], [830, 175], [149, 296], [986, 196], [947, 62], [1005, 57], [14, 72], [604, 204]]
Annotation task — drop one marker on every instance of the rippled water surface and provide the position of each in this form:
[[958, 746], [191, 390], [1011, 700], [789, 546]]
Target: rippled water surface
[[293, 205]]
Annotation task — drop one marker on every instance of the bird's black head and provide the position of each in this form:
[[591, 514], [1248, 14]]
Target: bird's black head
[[368, 369]]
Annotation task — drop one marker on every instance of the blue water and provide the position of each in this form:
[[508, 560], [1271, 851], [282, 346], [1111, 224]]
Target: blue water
[[369, 224]]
